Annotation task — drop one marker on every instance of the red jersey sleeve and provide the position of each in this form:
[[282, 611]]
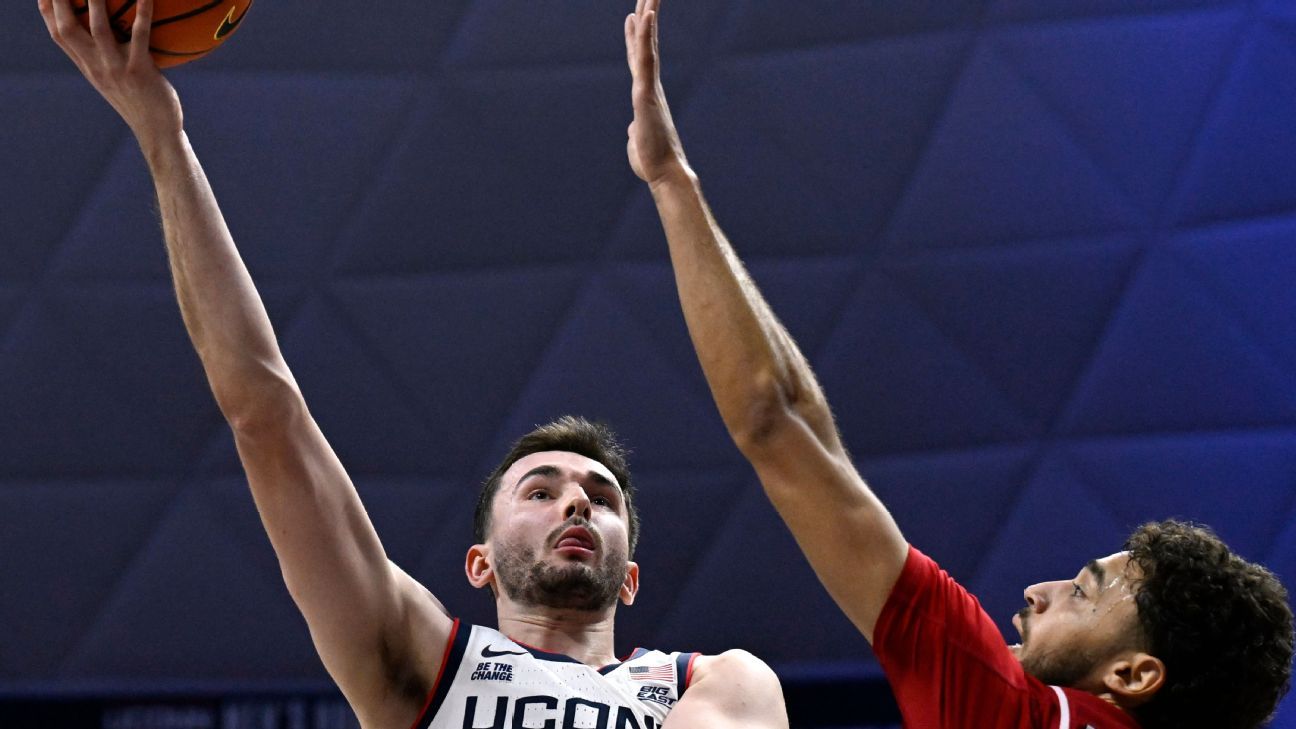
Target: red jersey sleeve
[[950, 668], [946, 661]]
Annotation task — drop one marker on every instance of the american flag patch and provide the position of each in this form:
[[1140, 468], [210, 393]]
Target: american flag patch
[[664, 672]]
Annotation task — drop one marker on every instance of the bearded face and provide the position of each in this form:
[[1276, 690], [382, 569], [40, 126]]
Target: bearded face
[[1067, 665], [565, 584], [558, 536], [1072, 629]]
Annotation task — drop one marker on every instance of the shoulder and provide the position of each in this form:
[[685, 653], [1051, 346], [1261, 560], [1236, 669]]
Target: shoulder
[[737, 670], [733, 689], [923, 591]]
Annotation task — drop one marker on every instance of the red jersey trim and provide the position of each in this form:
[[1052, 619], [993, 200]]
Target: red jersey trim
[[445, 659]]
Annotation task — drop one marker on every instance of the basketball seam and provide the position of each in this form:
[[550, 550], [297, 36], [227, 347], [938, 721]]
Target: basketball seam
[[123, 34], [165, 52], [119, 12], [189, 14]]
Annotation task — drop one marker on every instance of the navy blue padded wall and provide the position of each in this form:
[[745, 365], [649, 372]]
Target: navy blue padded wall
[[1040, 254]]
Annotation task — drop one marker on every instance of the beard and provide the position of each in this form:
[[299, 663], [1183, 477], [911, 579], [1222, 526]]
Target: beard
[[568, 586], [1066, 667], [1062, 668]]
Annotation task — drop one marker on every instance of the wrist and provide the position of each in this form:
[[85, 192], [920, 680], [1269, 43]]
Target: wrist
[[157, 127], [673, 178], [161, 144]]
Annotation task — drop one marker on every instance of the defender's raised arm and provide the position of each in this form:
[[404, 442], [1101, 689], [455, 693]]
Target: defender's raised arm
[[365, 615], [764, 387], [1103, 648]]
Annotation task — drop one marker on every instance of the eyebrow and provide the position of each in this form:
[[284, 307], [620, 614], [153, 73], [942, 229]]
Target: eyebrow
[[551, 471], [1099, 573]]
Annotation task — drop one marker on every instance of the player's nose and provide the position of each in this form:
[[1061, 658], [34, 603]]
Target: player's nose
[[1037, 597], [577, 504]]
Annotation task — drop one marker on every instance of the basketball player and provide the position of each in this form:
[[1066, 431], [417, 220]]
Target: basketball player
[[1172, 631], [555, 523]]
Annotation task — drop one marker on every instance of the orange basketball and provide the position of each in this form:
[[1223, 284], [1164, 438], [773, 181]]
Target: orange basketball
[[183, 30]]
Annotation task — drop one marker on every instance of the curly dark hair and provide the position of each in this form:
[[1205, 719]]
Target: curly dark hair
[[572, 434], [1221, 625]]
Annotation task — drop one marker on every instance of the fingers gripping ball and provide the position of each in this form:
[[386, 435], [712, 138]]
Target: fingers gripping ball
[[183, 30]]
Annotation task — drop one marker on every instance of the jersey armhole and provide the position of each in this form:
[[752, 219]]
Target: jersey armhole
[[684, 671], [454, 652], [898, 598]]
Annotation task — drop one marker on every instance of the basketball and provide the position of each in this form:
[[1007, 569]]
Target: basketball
[[183, 30]]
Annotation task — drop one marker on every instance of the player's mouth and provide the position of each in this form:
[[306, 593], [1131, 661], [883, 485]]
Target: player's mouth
[[576, 542], [1020, 622]]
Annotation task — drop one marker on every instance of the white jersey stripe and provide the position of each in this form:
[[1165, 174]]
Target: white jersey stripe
[[1065, 708]]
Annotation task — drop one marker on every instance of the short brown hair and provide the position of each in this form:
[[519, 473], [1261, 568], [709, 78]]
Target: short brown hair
[[1221, 625], [571, 434]]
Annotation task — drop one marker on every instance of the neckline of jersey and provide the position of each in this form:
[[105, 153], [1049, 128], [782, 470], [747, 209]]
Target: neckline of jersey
[[545, 655]]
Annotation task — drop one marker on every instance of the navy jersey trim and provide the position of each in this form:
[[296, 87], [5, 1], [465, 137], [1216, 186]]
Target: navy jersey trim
[[455, 648], [562, 658], [546, 655], [683, 671], [609, 668]]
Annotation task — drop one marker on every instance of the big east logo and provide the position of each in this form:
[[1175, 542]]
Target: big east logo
[[657, 695]]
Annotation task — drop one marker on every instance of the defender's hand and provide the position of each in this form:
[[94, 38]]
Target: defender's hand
[[654, 148], [123, 73]]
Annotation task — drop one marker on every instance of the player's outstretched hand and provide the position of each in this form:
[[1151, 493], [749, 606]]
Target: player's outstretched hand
[[124, 73], [654, 148]]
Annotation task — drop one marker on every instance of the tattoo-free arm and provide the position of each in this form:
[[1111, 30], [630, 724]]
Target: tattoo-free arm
[[765, 390], [378, 632], [733, 690]]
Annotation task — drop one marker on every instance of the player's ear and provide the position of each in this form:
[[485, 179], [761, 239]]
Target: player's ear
[[1135, 679], [477, 565], [630, 587]]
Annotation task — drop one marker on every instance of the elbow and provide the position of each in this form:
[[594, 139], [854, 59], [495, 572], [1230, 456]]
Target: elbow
[[266, 405], [773, 410], [765, 411]]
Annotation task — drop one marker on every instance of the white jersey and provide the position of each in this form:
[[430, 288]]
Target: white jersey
[[488, 681]]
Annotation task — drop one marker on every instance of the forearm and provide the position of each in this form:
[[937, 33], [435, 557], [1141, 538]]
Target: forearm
[[762, 384], [757, 374], [218, 301], [777, 412], [354, 600]]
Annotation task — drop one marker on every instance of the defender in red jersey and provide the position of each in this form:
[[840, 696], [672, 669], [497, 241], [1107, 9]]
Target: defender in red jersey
[[949, 666], [1172, 631]]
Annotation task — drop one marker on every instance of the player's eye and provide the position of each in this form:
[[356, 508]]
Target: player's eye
[[1077, 590], [602, 501], [538, 494]]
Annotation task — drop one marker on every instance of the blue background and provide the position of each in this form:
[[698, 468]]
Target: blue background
[[1039, 253]]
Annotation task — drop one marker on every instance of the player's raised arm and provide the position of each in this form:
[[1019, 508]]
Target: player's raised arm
[[367, 618], [764, 387]]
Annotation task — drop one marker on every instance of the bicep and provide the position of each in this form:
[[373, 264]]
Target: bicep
[[374, 627], [734, 690], [846, 533]]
